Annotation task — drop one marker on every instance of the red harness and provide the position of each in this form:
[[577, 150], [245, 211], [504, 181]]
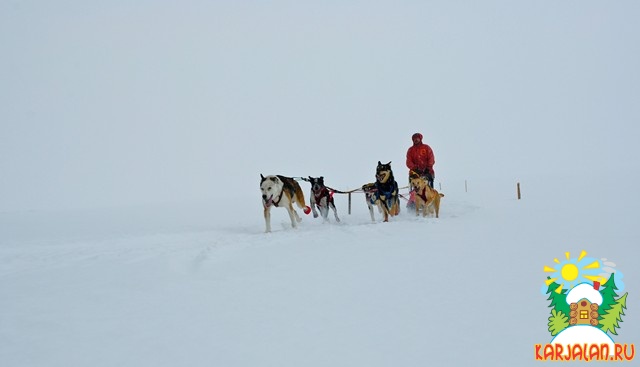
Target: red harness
[[423, 195], [318, 195]]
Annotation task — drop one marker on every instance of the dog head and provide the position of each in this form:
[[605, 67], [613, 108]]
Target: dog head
[[369, 188], [418, 182], [317, 183], [413, 174], [383, 172], [271, 187]]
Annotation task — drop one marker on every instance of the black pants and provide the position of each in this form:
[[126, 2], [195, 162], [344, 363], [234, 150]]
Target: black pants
[[429, 178]]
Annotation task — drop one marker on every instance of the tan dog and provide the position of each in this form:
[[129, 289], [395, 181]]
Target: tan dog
[[425, 197]]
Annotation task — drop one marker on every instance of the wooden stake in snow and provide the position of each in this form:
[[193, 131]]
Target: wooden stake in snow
[[518, 190]]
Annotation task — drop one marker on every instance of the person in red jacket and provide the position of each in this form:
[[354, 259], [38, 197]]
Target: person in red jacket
[[420, 158]]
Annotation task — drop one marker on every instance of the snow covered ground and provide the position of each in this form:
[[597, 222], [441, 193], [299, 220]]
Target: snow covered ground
[[202, 285]]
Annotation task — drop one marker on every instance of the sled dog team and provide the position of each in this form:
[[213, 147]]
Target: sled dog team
[[281, 191]]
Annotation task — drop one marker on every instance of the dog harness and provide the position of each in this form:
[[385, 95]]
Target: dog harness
[[275, 203], [318, 195], [423, 194], [286, 185], [388, 193]]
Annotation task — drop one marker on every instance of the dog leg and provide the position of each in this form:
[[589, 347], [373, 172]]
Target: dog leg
[[313, 205], [267, 219], [335, 212], [292, 215], [295, 213], [385, 212], [373, 218], [324, 209], [392, 206], [382, 205]]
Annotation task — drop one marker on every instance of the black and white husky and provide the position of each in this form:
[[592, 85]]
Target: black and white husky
[[322, 199], [369, 190], [281, 191]]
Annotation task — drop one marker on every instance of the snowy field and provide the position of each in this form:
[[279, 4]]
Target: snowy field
[[202, 285]]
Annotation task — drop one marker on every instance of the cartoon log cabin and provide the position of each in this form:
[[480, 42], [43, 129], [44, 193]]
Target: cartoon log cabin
[[584, 301]]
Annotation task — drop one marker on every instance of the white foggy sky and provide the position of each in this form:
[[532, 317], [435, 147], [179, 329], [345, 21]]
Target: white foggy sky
[[124, 103]]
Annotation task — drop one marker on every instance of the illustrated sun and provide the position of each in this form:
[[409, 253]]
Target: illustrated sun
[[571, 272]]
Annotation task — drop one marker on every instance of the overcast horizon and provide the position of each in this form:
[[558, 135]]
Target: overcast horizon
[[119, 103]]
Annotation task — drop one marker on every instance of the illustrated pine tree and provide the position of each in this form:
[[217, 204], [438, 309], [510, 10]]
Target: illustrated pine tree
[[558, 300], [557, 322], [609, 295], [613, 316]]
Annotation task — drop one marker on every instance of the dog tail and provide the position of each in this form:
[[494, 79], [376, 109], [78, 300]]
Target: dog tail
[[300, 197], [441, 195]]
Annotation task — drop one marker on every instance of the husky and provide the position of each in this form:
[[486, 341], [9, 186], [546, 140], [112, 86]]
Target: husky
[[426, 198], [281, 191], [386, 195], [369, 190], [322, 199]]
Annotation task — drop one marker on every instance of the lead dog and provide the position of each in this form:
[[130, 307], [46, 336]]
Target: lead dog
[[321, 198], [386, 194], [426, 198], [281, 191]]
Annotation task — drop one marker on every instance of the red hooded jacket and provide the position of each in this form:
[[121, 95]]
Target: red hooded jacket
[[420, 157]]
